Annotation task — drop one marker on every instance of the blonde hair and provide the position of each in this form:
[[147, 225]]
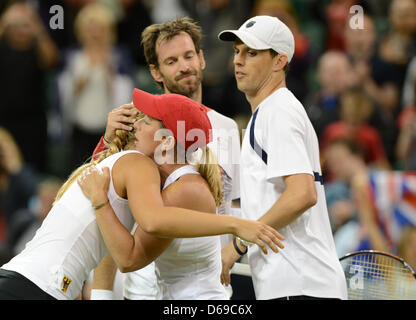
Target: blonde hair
[[123, 140], [208, 165], [210, 171], [98, 13]]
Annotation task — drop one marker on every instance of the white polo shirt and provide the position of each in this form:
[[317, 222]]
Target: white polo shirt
[[308, 265]]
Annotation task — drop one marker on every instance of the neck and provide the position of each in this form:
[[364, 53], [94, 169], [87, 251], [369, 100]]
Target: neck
[[196, 95], [166, 169], [265, 91]]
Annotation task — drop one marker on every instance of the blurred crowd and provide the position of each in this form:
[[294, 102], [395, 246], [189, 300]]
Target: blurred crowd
[[62, 70]]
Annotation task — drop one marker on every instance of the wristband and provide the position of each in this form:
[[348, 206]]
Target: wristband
[[99, 294], [245, 243], [241, 253], [99, 206]]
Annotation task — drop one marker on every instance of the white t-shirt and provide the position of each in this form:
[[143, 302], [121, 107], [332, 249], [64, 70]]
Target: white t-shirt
[[69, 244], [226, 146], [308, 265]]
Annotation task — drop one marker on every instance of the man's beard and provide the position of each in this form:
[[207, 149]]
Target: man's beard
[[189, 88]]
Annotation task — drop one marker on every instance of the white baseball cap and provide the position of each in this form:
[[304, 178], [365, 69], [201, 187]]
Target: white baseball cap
[[263, 32]]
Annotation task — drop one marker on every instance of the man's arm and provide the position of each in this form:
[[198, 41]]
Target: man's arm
[[120, 118], [142, 183], [299, 196], [103, 279]]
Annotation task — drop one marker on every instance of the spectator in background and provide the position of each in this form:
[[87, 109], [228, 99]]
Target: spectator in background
[[408, 94], [27, 221], [406, 142], [166, 10], [355, 111], [64, 37], [360, 46], [393, 56], [95, 79], [337, 13], [349, 201], [297, 80], [134, 18], [341, 160], [372, 208], [407, 246], [17, 180], [26, 54], [334, 78], [213, 16]]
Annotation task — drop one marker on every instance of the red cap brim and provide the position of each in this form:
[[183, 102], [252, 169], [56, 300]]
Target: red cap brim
[[146, 103]]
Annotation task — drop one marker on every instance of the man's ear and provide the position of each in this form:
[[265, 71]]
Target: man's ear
[[280, 62], [155, 73], [202, 59]]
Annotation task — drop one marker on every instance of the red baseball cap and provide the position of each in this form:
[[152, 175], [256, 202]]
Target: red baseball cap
[[176, 110]]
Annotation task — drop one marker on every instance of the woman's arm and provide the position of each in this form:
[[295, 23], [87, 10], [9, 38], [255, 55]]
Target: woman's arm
[[190, 192], [142, 183]]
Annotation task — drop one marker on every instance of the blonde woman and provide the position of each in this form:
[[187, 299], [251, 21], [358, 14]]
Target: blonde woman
[[95, 78], [75, 236]]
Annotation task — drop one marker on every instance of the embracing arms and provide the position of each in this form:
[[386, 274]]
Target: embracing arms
[[142, 183], [299, 196]]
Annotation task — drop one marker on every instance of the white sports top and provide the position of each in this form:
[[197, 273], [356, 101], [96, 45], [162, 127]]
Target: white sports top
[[141, 284], [188, 269], [69, 245], [308, 265]]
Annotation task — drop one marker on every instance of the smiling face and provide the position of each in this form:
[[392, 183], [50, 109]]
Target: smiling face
[[145, 130], [180, 67]]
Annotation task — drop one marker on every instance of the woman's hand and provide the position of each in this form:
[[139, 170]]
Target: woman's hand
[[260, 234], [94, 184]]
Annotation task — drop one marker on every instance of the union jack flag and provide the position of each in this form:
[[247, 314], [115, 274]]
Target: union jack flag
[[394, 200]]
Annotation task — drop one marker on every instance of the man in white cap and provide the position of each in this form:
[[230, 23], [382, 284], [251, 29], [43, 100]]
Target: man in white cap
[[281, 179]]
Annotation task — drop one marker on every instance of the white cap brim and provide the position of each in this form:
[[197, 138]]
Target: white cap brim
[[247, 38]]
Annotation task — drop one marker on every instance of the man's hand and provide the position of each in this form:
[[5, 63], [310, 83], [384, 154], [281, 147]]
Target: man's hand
[[120, 118], [228, 257]]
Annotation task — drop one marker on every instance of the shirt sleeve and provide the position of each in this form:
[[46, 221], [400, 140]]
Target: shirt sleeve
[[235, 194], [284, 135], [99, 148]]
